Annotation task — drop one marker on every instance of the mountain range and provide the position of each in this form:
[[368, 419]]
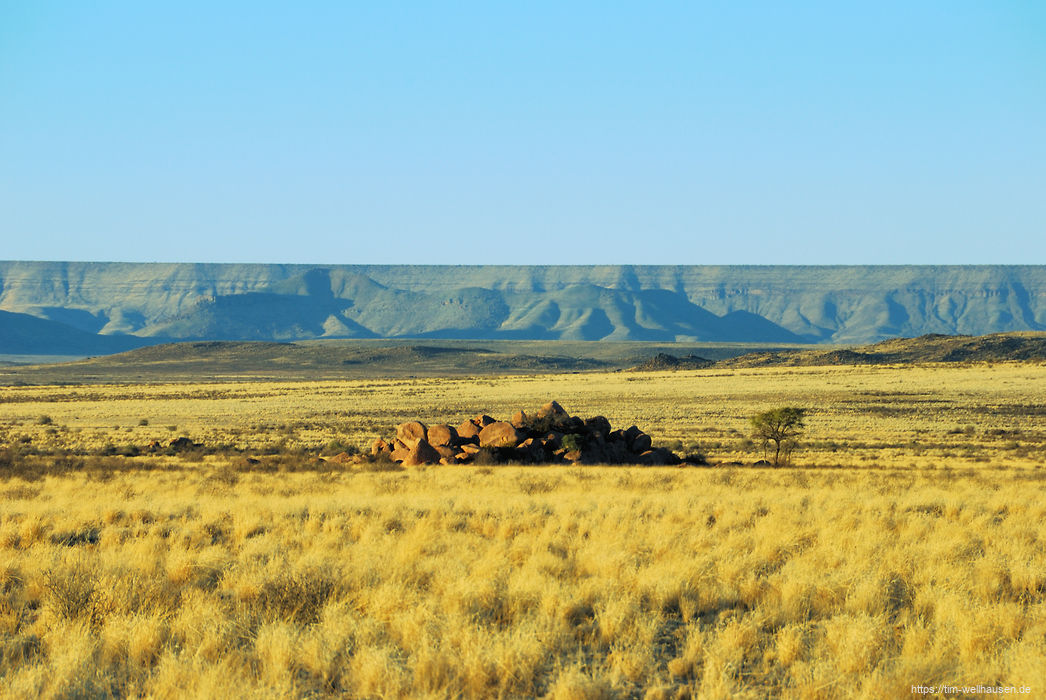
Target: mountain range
[[93, 308]]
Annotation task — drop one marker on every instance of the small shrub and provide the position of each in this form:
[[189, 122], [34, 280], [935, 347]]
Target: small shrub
[[487, 456], [571, 441], [44, 420], [69, 591], [531, 486], [335, 447]]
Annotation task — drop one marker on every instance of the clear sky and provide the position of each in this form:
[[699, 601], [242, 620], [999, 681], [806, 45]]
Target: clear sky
[[537, 132]]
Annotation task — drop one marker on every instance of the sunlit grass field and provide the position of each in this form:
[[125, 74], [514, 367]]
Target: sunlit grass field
[[928, 416], [907, 546]]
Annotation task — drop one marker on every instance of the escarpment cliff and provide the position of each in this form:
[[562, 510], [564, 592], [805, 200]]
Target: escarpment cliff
[[777, 304]]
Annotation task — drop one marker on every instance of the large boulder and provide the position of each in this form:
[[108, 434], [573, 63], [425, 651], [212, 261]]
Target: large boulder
[[422, 453], [438, 435], [379, 446], [181, 444], [641, 443], [598, 425], [532, 450], [553, 410], [468, 430], [616, 453], [410, 432], [445, 451], [657, 457], [519, 420], [499, 434]]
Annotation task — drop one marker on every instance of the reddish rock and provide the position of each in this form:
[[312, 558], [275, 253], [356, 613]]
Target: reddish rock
[[182, 443], [483, 420], [379, 446], [470, 449], [341, 458], [441, 435], [468, 430], [422, 453], [552, 410], [410, 432], [499, 434], [519, 419], [530, 450], [399, 454], [446, 451], [572, 455], [657, 457]]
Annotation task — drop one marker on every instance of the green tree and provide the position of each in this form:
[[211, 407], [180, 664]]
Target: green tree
[[782, 427]]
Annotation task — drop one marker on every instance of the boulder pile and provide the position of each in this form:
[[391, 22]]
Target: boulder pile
[[549, 436]]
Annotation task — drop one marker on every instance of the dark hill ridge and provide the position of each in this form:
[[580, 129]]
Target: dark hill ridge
[[762, 304], [208, 360], [22, 334], [664, 361], [998, 347], [349, 359]]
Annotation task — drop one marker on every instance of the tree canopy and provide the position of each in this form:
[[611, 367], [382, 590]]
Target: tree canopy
[[782, 427]]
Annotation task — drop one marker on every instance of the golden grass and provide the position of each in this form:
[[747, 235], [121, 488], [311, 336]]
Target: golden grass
[[920, 562], [604, 582]]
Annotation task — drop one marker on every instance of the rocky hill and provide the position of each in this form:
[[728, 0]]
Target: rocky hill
[[997, 347], [765, 304]]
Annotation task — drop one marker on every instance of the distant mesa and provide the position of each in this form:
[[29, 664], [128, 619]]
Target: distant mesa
[[139, 304]]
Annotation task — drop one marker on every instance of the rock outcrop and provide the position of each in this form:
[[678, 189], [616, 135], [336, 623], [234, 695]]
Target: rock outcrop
[[548, 436]]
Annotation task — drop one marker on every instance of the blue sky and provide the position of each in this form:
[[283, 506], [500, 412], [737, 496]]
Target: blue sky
[[538, 133]]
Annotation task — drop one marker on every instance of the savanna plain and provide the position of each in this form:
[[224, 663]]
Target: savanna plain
[[905, 546]]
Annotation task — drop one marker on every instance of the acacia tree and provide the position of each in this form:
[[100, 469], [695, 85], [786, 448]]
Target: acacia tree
[[782, 427]]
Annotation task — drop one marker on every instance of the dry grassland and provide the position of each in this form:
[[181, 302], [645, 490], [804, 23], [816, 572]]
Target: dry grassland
[[921, 559], [931, 416]]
